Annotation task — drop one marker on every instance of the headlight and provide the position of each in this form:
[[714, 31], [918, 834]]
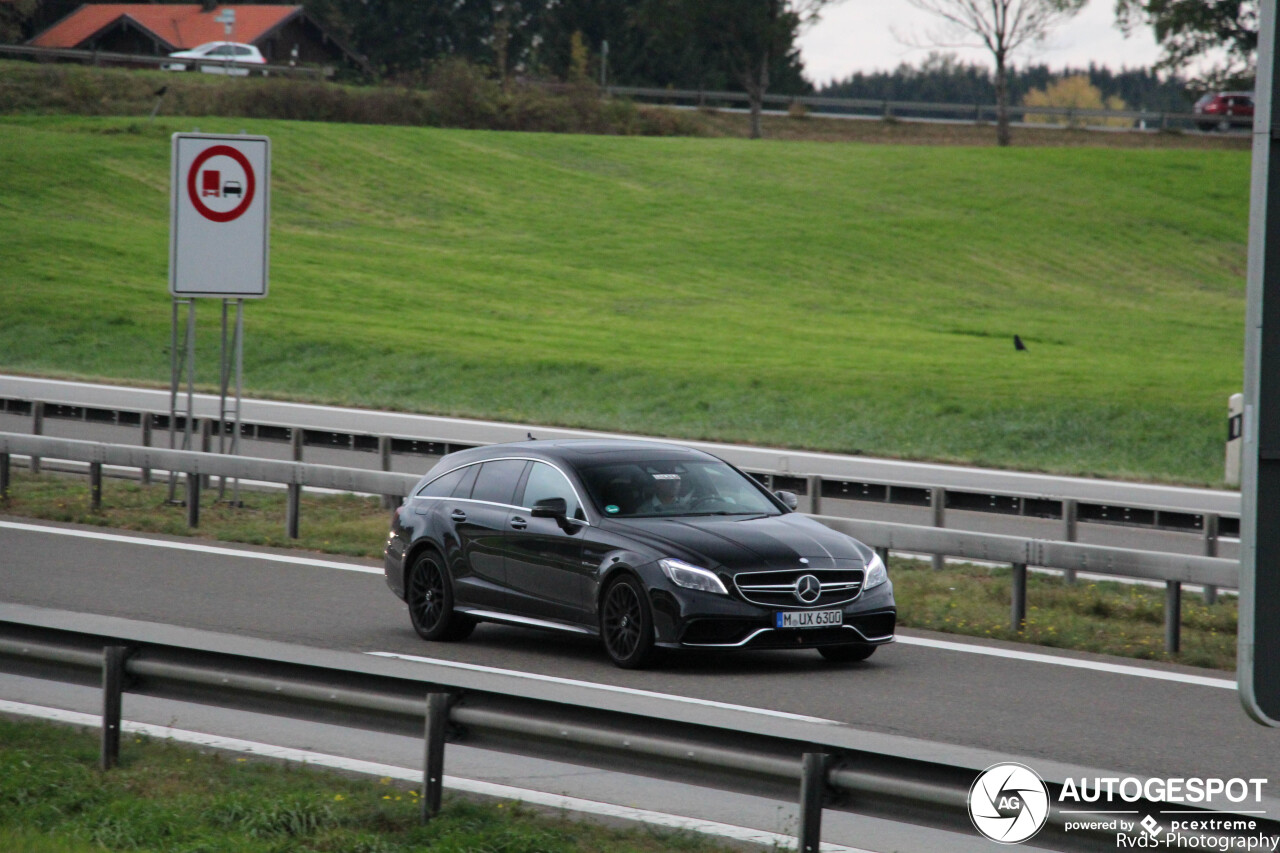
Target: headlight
[[876, 573], [691, 577]]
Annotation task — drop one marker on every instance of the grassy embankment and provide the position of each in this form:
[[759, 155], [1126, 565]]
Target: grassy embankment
[[165, 797], [849, 298], [1109, 618]]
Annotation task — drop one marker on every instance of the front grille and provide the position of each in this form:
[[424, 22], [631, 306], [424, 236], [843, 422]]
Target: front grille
[[778, 588]]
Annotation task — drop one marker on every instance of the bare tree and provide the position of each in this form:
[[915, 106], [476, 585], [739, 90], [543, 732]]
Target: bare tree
[[1002, 27]]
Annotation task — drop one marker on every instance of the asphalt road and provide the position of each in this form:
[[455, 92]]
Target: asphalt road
[[1036, 709]]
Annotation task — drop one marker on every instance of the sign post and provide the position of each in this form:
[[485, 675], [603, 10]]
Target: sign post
[[1258, 658], [219, 246]]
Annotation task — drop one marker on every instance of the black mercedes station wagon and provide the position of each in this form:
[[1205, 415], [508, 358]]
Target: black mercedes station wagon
[[648, 546]]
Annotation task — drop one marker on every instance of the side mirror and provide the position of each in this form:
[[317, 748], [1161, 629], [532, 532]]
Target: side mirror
[[555, 508], [788, 498]]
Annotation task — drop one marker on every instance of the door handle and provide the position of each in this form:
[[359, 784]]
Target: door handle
[[519, 523], [458, 515]]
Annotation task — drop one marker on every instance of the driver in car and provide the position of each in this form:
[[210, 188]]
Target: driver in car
[[666, 498]]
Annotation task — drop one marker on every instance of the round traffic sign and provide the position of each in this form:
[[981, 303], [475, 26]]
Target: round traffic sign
[[220, 183]]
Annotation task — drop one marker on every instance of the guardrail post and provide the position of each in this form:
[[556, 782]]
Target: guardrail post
[[113, 658], [1018, 597], [4, 476], [384, 456], [813, 783], [1172, 616], [206, 445], [433, 757], [295, 441], [815, 494], [293, 510], [37, 428], [193, 500], [95, 486], [883, 553], [938, 501], [1070, 532], [144, 474], [1211, 528]]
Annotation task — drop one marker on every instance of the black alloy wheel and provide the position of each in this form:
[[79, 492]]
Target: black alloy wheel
[[626, 624], [430, 600], [846, 654]]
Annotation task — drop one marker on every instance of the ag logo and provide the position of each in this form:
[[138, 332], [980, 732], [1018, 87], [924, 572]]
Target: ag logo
[[1008, 803]]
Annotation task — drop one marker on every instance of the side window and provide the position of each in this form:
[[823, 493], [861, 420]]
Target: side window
[[442, 487], [546, 482], [497, 481]]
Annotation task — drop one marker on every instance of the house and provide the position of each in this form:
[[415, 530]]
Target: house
[[160, 29]]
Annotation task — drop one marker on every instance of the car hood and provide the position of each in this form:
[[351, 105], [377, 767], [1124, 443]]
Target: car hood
[[740, 542]]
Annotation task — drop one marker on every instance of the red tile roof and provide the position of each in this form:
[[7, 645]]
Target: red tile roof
[[178, 26]]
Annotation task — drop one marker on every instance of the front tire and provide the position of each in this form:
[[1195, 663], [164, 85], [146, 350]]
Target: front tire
[[429, 595], [626, 624], [846, 654]]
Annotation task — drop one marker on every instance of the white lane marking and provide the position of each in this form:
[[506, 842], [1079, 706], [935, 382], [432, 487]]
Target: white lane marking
[[1033, 657], [405, 774], [191, 546], [1098, 666], [608, 688]]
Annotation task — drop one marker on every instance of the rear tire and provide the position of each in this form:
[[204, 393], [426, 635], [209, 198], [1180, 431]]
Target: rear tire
[[846, 654], [626, 624], [429, 594]]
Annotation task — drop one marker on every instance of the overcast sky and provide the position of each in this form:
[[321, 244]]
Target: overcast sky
[[869, 35]]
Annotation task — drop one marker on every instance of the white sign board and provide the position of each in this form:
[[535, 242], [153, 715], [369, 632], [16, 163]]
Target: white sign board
[[220, 213]]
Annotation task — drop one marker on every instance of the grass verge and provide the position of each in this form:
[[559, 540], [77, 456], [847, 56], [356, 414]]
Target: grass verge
[[167, 797], [1107, 617], [852, 298]]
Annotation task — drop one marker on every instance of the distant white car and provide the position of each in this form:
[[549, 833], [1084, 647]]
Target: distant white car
[[216, 56]]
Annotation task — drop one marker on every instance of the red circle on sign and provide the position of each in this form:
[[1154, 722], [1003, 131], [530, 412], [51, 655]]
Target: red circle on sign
[[194, 195]]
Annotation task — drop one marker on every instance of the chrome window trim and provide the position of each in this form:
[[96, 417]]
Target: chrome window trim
[[560, 470]]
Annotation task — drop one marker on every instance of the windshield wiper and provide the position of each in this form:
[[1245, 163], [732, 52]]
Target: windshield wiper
[[724, 512]]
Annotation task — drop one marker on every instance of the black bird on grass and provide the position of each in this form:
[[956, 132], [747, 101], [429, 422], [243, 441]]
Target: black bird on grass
[[1018, 344]]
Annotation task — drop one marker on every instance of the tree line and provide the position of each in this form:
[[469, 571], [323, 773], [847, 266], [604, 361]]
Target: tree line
[[749, 45], [943, 78]]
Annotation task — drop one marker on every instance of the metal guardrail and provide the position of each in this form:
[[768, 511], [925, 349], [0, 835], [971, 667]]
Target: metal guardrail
[[720, 748], [978, 113], [1018, 551], [102, 57], [816, 477], [196, 466]]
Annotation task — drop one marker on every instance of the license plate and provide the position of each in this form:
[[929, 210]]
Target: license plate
[[808, 618]]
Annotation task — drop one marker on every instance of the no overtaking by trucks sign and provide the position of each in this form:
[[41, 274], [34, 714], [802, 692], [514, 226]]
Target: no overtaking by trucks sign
[[220, 215]]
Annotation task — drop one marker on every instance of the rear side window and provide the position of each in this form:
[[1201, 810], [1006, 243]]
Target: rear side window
[[497, 481], [442, 487]]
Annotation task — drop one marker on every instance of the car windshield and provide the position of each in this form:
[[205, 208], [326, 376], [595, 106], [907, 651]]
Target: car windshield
[[658, 488]]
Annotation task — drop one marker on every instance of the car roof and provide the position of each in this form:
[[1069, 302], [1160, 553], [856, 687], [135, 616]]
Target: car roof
[[580, 451]]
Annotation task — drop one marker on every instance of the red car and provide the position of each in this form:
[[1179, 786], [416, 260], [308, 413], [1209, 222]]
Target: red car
[[1225, 111]]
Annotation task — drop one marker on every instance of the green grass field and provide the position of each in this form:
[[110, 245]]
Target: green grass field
[[853, 298], [169, 798]]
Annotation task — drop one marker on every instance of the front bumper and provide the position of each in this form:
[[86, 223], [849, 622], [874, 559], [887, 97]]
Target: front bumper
[[687, 619]]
